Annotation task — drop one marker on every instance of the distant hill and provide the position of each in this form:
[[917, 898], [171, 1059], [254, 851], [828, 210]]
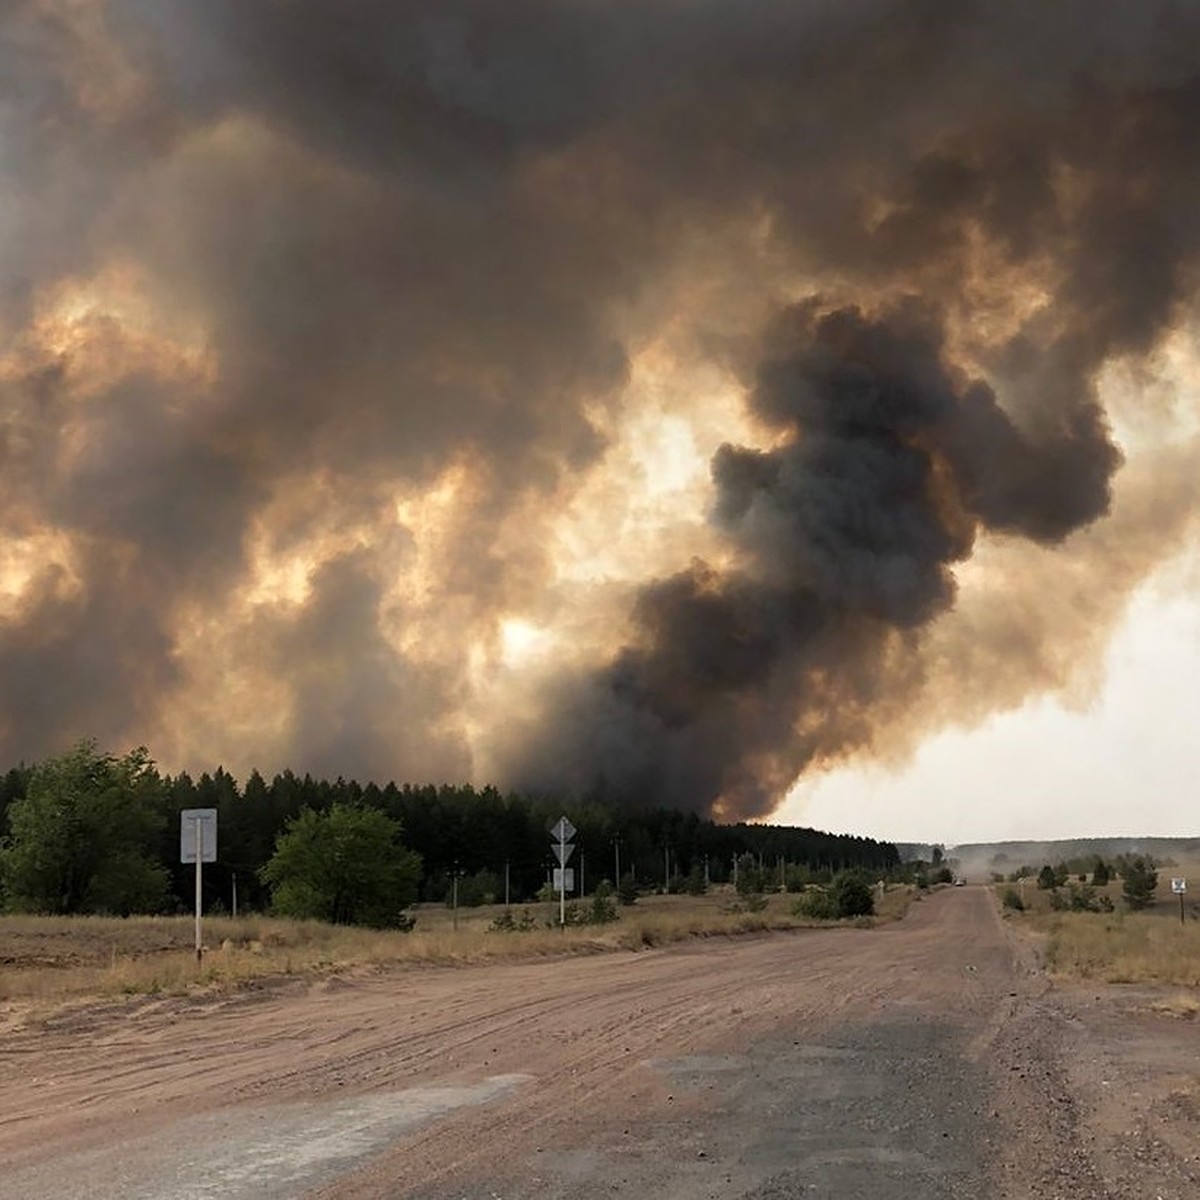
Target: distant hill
[[980, 859]]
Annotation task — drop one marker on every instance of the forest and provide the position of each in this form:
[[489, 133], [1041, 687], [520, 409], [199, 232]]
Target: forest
[[92, 832]]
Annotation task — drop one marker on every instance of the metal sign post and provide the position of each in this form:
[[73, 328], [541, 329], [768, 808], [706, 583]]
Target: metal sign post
[[198, 844], [1179, 887], [562, 833]]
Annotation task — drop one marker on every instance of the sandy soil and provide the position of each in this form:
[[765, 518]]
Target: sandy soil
[[929, 1057]]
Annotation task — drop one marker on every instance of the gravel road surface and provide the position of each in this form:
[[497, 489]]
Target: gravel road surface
[[928, 1058]]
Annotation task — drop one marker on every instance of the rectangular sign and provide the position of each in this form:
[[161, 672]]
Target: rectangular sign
[[1179, 886], [564, 879], [206, 819]]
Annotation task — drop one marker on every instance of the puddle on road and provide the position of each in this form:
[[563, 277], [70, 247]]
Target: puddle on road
[[277, 1150]]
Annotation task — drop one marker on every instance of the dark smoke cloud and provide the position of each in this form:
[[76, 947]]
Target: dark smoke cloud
[[848, 529], [395, 249]]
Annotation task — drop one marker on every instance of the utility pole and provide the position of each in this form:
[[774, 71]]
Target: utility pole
[[666, 869], [617, 853], [506, 883], [454, 893]]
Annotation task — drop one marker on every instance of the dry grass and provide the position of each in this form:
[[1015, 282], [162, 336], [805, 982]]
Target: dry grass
[[1151, 946], [47, 960], [1122, 947]]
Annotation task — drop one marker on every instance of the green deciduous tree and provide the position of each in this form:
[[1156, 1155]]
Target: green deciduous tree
[[345, 865], [82, 838]]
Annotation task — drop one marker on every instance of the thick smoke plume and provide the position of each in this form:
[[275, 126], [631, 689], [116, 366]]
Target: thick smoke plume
[[332, 338]]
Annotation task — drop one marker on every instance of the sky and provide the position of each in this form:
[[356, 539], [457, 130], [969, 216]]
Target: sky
[[785, 412], [1122, 762]]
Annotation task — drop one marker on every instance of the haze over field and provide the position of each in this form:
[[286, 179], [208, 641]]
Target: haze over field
[[674, 402]]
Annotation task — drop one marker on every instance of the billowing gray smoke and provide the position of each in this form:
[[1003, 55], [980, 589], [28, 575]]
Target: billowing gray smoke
[[890, 464], [356, 292]]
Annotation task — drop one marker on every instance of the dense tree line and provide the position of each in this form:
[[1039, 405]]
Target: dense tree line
[[90, 832]]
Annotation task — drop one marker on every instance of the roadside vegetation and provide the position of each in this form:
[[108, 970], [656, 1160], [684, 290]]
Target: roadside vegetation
[[94, 900], [48, 960], [89, 832], [1115, 921]]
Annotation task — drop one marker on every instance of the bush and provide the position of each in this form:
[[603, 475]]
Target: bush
[[1082, 898], [1012, 899], [506, 923], [604, 908], [694, 883], [796, 878], [816, 904], [852, 894], [1046, 879], [627, 890]]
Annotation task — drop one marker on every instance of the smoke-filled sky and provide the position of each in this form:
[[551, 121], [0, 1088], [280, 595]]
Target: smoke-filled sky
[[682, 402]]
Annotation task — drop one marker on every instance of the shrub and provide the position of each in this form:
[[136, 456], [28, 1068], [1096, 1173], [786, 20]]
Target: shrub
[[506, 923], [852, 894], [627, 890], [604, 908], [816, 904], [796, 878], [1082, 898], [1012, 899]]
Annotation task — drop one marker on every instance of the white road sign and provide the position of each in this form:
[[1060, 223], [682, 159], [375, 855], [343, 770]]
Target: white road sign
[[564, 879], [563, 831], [1179, 886], [206, 819]]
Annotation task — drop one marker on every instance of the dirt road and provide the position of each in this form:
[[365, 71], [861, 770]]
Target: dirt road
[[929, 1058]]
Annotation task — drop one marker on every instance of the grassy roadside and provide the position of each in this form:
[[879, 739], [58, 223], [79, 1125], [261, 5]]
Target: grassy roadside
[[1147, 947], [1120, 947], [47, 960]]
